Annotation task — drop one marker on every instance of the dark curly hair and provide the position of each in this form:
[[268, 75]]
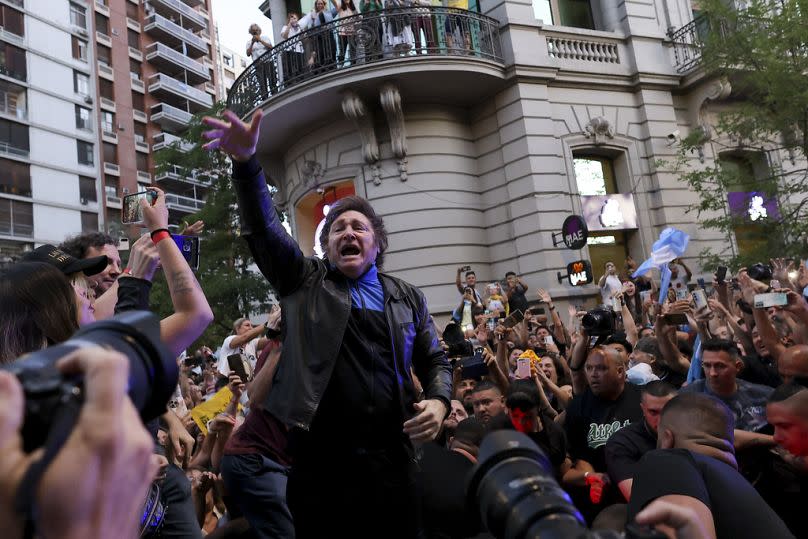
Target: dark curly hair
[[355, 203], [77, 246]]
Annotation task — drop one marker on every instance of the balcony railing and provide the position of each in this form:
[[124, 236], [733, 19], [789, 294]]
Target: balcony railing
[[10, 149], [164, 140], [184, 204], [160, 81], [159, 24], [181, 8], [180, 174], [419, 34], [173, 58], [688, 42], [170, 117]]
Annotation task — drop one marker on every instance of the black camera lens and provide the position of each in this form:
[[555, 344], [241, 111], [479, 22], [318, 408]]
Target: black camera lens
[[153, 371], [760, 272], [513, 488], [599, 322]]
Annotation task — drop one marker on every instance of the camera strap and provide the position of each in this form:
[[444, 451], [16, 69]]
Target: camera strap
[[25, 500]]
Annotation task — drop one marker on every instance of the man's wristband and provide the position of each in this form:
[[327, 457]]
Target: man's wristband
[[159, 235]]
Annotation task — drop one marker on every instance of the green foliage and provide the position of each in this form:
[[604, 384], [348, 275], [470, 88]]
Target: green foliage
[[231, 288], [763, 52]]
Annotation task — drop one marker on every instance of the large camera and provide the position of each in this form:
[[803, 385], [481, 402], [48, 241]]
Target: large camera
[[760, 272], [512, 485], [599, 322], [136, 334]]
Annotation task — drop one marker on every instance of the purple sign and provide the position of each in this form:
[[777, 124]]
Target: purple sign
[[574, 232], [753, 206]]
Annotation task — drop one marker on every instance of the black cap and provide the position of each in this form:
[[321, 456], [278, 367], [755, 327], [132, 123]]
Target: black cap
[[619, 338], [66, 263]]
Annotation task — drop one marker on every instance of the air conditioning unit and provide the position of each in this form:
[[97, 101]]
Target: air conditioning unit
[[88, 99], [84, 201], [82, 32]]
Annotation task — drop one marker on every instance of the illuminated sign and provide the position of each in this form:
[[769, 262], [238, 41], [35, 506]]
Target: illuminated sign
[[579, 273], [755, 206], [609, 212], [574, 232]]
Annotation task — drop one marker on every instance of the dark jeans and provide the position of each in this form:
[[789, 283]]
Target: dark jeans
[[357, 495], [346, 42], [257, 486], [180, 518], [292, 66], [424, 22]]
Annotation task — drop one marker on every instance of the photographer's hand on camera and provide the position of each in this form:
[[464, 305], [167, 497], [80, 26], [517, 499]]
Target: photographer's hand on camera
[[95, 486]]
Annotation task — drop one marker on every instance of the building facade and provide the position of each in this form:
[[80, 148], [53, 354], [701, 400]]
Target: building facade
[[89, 91], [231, 64], [477, 141]]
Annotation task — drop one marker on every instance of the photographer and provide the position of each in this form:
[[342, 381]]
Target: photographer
[[96, 484]]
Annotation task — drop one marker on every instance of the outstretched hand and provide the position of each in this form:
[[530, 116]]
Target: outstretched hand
[[231, 135]]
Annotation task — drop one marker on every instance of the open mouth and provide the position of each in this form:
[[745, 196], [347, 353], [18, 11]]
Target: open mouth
[[349, 250]]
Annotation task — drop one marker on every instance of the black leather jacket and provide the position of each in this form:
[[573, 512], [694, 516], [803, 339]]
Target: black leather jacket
[[316, 303]]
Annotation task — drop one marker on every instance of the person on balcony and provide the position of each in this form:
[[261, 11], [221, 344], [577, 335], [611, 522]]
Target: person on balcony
[[346, 30], [423, 21], [324, 51], [371, 27], [293, 55], [399, 26], [256, 47]]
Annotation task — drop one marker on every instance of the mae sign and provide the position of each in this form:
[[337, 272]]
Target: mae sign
[[574, 232], [579, 273], [609, 212]]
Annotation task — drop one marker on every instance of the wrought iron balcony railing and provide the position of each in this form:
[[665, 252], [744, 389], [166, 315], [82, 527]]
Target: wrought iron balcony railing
[[377, 36]]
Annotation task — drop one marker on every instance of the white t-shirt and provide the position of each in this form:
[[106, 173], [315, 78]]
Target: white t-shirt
[[258, 49], [248, 350], [610, 286]]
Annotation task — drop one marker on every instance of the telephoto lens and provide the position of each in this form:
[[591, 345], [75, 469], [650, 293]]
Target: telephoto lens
[[153, 372], [599, 322], [513, 488]]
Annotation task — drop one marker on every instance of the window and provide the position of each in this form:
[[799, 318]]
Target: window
[[16, 178], [228, 60], [81, 83], [575, 13], [138, 103], [594, 175], [12, 100], [79, 49], [16, 218], [110, 152], [107, 122], [105, 55], [132, 11], [12, 62], [106, 89], [12, 20], [83, 120], [85, 153], [14, 137], [102, 24], [142, 162], [140, 133], [89, 222], [78, 15], [87, 189], [111, 186], [133, 37], [754, 212], [135, 70]]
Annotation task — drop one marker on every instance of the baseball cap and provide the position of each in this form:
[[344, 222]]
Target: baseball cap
[[66, 263]]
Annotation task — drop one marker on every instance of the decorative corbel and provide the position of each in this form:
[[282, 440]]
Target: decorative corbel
[[699, 115], [355, 110], [390, 99]]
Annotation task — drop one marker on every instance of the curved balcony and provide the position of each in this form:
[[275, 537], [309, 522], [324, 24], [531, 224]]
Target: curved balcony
[[416, 41]]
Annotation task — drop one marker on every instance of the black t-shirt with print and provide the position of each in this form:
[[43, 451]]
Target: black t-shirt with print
[[590, 422]]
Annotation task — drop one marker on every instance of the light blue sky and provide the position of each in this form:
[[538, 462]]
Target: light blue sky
[[233, 17]]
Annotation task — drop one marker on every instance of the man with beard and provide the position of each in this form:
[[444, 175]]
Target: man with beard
[[487, 401]]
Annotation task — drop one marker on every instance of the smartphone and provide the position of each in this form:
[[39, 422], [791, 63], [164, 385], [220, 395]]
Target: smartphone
[[772, 299], [473, 367], [681, 293], [676, 319], [465, 268], [721, 274], [123, 244], [644, 295], [523, 367], [548, 340], [514, 318], [236, 365], [131, 212], [537, 310], [189, 247], [699, 298], [617, 305]]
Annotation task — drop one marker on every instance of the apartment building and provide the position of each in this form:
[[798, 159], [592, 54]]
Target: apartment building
[[481, 137], [155, 69], [49, 148], [231, 64]]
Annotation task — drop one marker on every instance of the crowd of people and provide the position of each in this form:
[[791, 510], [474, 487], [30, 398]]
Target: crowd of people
[[351, 412], [388, 28]]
